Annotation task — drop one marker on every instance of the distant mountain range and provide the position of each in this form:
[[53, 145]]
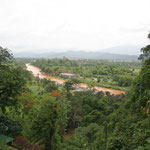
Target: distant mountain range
[[126, 52], [77, 55], [125, 49]]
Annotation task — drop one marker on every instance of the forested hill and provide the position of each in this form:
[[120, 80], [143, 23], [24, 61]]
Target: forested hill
[[78, 55], [38, 114]]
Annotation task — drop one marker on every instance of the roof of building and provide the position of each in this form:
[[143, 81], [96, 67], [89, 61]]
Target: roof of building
[[67, 74]]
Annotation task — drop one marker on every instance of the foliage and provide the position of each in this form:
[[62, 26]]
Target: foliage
[[9, 126], [5, 56], [45, 124], [4, 146], [75, 143], [39, 111], [56, 94], [146, 51], [51, 86], [141, 87], [11, 81], [99, 72], [22, 143], [68, 87]]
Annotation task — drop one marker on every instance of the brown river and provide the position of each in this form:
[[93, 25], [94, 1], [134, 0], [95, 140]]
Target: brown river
[[37, 72]]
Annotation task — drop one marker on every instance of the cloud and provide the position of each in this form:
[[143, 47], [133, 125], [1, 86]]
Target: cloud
[[68, 24], [136, 29]]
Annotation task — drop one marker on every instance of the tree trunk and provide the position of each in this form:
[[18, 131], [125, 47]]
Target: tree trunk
[[49, 144], [52, 143], [105, 128]]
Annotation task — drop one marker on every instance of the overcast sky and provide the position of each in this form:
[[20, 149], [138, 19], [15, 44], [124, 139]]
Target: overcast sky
[[48, 25]]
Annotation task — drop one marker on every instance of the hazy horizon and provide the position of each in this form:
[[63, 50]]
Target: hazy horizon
[[81, 25], [123, 50]]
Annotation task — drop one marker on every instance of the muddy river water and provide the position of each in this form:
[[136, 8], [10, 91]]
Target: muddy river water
[[37, 72]]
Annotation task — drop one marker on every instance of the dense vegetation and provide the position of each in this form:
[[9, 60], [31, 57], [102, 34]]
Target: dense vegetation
[[106, 73], [37, 114]]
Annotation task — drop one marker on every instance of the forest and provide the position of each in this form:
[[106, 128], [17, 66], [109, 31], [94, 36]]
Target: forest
[[107, 73], [38, 114]]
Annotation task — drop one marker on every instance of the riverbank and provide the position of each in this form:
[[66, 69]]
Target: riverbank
[[37, 73]]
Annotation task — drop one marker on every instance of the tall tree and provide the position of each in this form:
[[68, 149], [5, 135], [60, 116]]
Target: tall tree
[[68, 87], [11, 81], [45, 123], [5, 55], [141, 88], [145, 50]]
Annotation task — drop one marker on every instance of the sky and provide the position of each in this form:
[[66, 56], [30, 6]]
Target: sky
[[60, 25]]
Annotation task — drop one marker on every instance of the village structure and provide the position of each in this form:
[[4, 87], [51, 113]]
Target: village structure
[[79, 88], [68, 75]]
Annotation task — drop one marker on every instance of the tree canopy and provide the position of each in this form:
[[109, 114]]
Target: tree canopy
[[11, 81], [5, 55], [145, 50]]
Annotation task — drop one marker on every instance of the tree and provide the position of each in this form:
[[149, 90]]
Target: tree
[[11, 86], [45, 123], [130, 122], [4, 146], [50, 86], [68, 87], [5, 56], [146, 51], [9, 127], [75, 81], [141, 87], [11, 80], [91, 85]]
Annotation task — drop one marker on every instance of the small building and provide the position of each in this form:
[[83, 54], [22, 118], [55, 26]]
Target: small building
[[68, 75], [79, 88]]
